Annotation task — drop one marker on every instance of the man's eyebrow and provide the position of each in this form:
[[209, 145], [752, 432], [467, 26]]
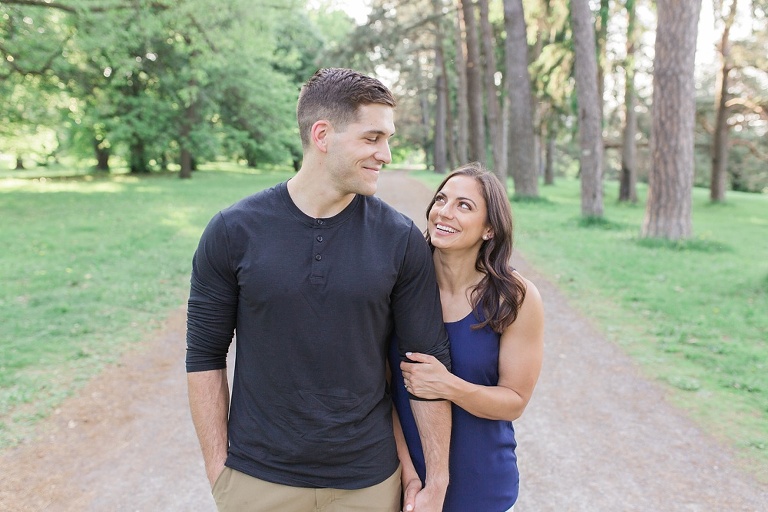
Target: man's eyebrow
[[379, 132]]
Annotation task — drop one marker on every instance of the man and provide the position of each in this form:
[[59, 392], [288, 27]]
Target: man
[[314, 275]]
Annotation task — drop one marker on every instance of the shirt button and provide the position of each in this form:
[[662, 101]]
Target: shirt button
[[320, 222], [318, 257], [319, 238]]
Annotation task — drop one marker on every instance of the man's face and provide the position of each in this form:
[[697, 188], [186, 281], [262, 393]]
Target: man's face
[[357, 154]]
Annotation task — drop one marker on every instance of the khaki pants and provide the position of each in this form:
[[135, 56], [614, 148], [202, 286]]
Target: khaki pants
[[237, 492]]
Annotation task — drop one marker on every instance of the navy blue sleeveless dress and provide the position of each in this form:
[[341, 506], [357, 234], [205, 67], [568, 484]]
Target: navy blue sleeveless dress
[[483, 464]]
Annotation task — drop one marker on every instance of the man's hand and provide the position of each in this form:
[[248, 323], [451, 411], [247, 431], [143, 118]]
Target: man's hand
[[213, 470], [410, 490], [430, 499], [209, 405]]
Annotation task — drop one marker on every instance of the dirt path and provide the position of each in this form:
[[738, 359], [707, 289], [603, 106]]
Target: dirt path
[[596, 436]]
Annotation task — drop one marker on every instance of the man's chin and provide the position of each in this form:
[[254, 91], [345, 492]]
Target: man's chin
[[369, 188]]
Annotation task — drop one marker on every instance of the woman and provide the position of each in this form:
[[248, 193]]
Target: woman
[[495, 321]]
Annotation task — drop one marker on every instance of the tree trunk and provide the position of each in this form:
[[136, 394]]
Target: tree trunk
[[453, 158], [670, 179], [590, 130], [720, 143], [185, 159], [495, 131], [628, 177], [138, 158], [19, 163], [251, 159], [549, 168], [474, 90], [439, 147], [602, 54], [462, 135], [428, 141], [102, 155], [521, 156], [190, 117], [185, 155], [540, 128]]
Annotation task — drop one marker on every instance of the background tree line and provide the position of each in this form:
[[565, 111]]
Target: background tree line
[[533, 88]]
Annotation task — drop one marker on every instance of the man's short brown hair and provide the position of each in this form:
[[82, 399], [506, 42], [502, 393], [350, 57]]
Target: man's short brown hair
[[336, 94]]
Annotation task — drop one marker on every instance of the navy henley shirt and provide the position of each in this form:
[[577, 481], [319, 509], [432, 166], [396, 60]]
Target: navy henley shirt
[[314, 303]]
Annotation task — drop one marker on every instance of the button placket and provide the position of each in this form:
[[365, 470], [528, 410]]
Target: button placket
[[318, 268]]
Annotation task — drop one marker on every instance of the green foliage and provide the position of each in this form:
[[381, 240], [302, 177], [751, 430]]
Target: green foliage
[[336, 29], [96, 263], [401, 42], [146, 80]]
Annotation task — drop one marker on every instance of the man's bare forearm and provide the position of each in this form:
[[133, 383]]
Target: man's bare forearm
[[209, 405], [434, 421]]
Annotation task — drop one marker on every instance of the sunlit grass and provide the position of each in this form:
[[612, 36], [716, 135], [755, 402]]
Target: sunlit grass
[[693, 313], [90, 266]]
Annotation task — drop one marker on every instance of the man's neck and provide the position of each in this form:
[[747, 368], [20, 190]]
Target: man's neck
[[315, 196]]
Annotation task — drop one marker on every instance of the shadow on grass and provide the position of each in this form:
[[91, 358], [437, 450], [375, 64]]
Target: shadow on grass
[[597, 223], [117, 172], [600, 223], [530, 199], [689, 245]]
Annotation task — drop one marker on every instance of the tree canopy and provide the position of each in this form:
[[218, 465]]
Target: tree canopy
[[154, 85]]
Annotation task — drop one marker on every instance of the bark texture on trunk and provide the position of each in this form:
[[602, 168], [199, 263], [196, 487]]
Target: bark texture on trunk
[[186, 159], [453, 157], [439, 146], [549, 167], [628, 176], [720, 142], [590, 125], [495, 130], [186, 164], [521, 156], [601, 35], [670, 179], [474, 90], [462, 129]]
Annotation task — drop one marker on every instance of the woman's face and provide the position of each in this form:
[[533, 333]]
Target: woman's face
[[458, 218]]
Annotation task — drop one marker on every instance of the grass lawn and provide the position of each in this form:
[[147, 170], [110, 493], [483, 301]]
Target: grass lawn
[[91, 264], [693, 314]]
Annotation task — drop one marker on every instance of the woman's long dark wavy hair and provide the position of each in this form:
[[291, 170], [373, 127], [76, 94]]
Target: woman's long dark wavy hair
[[500, 293]]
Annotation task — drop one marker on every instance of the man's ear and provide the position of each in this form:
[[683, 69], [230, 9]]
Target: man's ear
[[319, 134]]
